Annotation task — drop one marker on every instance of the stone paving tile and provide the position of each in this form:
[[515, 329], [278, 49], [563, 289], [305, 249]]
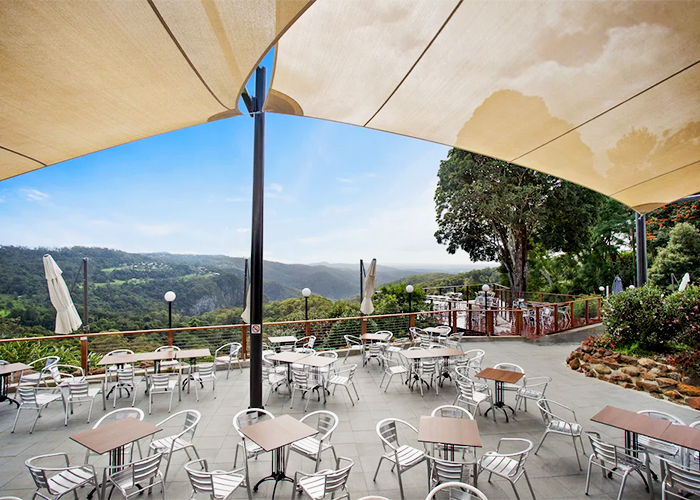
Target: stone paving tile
[[554, 472]]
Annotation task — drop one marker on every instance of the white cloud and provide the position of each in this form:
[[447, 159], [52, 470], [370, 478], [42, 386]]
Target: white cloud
[[35, 195]]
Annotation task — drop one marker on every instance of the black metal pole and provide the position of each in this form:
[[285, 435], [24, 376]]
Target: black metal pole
[[170, 316], [641, 227], [86, 326], [306, 308], [256, 251], [362, 281], [410, 309], [245, 284]]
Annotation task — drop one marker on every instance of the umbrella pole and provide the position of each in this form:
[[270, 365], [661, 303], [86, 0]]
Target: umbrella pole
[[86, 326], [641, 226], [256, 253]]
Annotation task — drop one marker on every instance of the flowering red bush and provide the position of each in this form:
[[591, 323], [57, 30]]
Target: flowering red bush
[[603, 341]]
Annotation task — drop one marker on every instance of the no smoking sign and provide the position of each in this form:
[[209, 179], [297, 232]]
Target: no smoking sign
[[255, 329]]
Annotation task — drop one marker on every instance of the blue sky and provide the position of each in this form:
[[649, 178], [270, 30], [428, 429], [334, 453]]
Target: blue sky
[[334, 193]]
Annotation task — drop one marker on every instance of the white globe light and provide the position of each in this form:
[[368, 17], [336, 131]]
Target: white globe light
[[306, 292], [169, 296], [631, 287], [486, 288], [601, 288], [409, 289]]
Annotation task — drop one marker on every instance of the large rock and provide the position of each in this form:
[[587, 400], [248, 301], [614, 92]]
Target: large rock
[[602, 369], [689, 390], [646, 363], [620, 377], [647, 386], [674, 376], [587, 358], [632, 371], [673, 395], [574, 364], [649, 376], [611, 362], [629, 360], [694, 403], [666, 382]]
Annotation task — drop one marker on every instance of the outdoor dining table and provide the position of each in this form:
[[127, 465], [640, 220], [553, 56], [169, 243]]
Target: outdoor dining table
[[436, 331], [289, 357], [274, 435], [113, 438], [316, 363], [439, 352], [500, 377], [449, 432], [279, 341], [374, 337], [5, 372]]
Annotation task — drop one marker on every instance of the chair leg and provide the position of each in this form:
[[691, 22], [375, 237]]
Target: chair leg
[[542, 441], [515, 490], [167, 466], [377, 471], [355, 388], [578, 459], [527, 479], [16, 417], [398, 471], [349, 395], [622, 484], [588, 475], [38, 414], [90, 411]]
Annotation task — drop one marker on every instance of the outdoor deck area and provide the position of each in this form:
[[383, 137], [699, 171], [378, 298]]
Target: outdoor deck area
[[554, 472]]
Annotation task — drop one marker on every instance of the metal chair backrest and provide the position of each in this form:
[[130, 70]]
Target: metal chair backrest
[[465, 387], [39, 476], [234, 349], [444, 471], [146, 468], [326, 423], [78, 389], [681, 478], [388, 433], [300, 378], [336, 479], [160, 382], [475, 356], [386, 333], [202, 480], [457, 491], [44, 362], [115, 415], [168, 348], [428, 366], [328, 354], [551, 411], [351, 340], [607, 453], [451, 411], [511, 367], [28, 396], [192, 418], [647, 441], [125, 376], [248, 417], [206, 370]]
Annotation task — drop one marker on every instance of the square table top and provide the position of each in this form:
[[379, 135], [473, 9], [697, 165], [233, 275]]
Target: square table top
[[121, 359], [317, 361], [456, 431], [277, 432], [374, 336], [110, 436], [192, 353], [682, 435], [631, 421], [288, 356], [282, 340], [13, 367], [438, 352], [499, 375], [436, 330]]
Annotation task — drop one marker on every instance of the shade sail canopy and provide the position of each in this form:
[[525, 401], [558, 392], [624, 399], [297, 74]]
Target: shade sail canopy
[[602, 93], [78, 76]]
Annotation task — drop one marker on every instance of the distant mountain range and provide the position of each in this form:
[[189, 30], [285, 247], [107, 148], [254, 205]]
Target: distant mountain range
[[202, 282]]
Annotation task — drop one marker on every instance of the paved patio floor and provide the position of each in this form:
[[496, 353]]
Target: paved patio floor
[[554, 472]]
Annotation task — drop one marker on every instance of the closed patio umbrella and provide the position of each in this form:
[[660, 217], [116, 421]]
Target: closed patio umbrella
[[617, 285], [684, 282], [67, 318], [368, 289]]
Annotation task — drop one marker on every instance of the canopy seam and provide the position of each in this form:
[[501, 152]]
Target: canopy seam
[[654, 178], [24, 156], [184, 54], [606, 111], [427, 47]]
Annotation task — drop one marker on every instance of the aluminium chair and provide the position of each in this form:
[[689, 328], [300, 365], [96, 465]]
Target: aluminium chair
[[468, 394], [533, 389], [273, 378], [111, 370], [402, 457], [319, 484], [180, 441], [392, 367], [227, 354], [678, 481], [344, 377], [126, 381], [245, 418], [692, 457], [456, 491], [445, 471], [302, 382], [619, 461], [452, 411], [170, 364], [83, 392], [374, 351], [216, 484], [312, 447], [661, 449], [513, 368], [136, 477], [560, 419], [161, 383], [428, 374], [59, 480], [206, 372], [353, 344], [35, 400], [509, 466]]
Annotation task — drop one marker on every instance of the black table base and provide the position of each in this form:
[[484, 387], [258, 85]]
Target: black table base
[[4, 384], [498, 403], [278, 471]]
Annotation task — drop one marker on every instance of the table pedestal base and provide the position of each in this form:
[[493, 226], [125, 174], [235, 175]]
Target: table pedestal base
[[278, 471], [499, 401]]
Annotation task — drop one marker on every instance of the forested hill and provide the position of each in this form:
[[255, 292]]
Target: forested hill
[[125, 282]]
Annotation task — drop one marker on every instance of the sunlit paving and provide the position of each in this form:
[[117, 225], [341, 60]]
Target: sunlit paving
[[532, 431]]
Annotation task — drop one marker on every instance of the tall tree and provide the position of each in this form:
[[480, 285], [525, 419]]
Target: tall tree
[[496, 211]]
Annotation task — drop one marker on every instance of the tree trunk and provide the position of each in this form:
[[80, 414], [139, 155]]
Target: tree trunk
[[516, 249]]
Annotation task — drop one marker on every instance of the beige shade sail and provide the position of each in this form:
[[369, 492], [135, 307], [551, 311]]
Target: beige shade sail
[[78, 76], [603, 93]]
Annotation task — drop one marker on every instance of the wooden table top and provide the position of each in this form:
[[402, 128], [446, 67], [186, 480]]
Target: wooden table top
[[317, 361], [656, 428], [122, 359], [288, 356], [13, 367], [499, 375], [456, 431], [110, 436], [277, 432], [438, 352], [282, 340], [374, 336]]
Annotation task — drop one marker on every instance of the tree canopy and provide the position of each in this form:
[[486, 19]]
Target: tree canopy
[[497, 211]]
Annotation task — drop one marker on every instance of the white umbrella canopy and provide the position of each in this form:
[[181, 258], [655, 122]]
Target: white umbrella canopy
[[368, 289], [67, 318], [684, 282], [245, 315]]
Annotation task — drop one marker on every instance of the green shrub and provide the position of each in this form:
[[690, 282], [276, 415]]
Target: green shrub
[[642, 316], [685, 308]]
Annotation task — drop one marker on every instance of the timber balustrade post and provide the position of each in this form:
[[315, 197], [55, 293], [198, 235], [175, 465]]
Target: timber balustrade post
[[244, 341], [571, 314], [454, 320], [556, 318], [84, 354], [586, 312], [363, 327], [411, 320], [537, 320], [469, 316], [489, 322], [518, 322], [600, 307], [308, 328]]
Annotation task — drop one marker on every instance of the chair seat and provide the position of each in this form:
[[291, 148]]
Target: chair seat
[[524, 392], [408, 455], [309, 446], [44, 399], [503, 466], [225, 482], [164, 444], [251, 448], [656, 447], [124, 480], [393, 370], [313, 486], [339, 379], [70, 479], [568, 428], [224, 359]]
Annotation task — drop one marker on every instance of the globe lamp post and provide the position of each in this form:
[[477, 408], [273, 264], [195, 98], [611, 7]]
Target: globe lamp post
[[306, 292], [169, 298]]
